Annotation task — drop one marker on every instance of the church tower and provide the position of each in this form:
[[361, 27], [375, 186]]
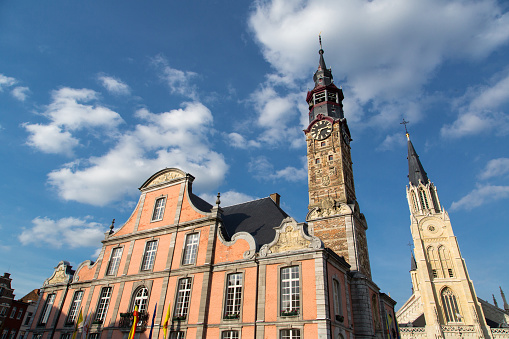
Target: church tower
[[334, 214], [444, 299]]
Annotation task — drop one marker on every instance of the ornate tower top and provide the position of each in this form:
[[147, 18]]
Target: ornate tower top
[[416, 172]]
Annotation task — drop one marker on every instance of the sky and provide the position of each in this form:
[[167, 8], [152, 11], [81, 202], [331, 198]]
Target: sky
[[97, 96]]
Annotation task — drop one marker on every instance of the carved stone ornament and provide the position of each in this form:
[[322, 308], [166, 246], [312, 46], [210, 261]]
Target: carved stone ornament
[[328, 207], [168, 176], [290, 236], [62, 274]]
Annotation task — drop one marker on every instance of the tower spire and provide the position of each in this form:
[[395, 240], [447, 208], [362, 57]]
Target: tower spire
[[506, 306], [416, 172]]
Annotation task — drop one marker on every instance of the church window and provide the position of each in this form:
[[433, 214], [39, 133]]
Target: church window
[[104, 302], [424, 199], [450, 304], [233, 296], [336, 291], [190, 248], [149, 255], [159, 209], [290, 291], [140, 299], [75, 306], [319, 97], [230, 335], [291, 333], [445, 261], [183, 297], [434, 262], [47, 309], [434, 199], [317, 161], [414, 202], [116, 255], [177, 335], [331, 157]]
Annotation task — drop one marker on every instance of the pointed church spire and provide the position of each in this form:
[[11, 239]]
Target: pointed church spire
[[323, 76], [413, 264], [506, 306], [416, 172]]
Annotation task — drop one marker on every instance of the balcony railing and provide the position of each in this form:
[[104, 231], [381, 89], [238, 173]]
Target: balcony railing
[[126, 321]]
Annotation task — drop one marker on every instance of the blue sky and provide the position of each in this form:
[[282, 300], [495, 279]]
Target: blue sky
[[97, 96]]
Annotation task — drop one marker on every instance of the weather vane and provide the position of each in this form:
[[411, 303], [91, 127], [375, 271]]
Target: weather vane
[[320, 39]]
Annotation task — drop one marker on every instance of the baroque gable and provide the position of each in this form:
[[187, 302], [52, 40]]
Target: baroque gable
[[62, 274]]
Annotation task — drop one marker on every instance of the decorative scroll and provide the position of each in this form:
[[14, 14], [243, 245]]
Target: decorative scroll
[[61, 275], [329, 207], [168, 176]]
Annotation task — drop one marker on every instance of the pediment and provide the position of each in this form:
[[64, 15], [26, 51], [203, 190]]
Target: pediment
[[62, 274], [163, 176]]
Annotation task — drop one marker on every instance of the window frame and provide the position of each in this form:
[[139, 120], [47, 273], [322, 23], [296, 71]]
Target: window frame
[[452, 307], [102, 311], [230, 331], [158, 209], [177, 315], [20, 313], [145, 253], [235, 299], [185, 248], [74, 311], [291, 330], [46, 311], [280, 287], [13, 312], [337, 299], [135, 297], [177, 334], [113, 261]]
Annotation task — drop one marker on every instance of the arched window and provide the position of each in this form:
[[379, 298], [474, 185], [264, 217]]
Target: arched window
[[424, 199], [451, 309], [434, 262], [141, 299], [445, 261], [414, 202]]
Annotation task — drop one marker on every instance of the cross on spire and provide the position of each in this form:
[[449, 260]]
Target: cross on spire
[[405, 123]]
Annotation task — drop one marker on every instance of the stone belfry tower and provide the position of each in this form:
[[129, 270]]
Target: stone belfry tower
[[443, 291], [334, 214]]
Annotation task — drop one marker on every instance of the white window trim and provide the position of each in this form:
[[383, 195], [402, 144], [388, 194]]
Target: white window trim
[[184, 248], [152, 217], [145, 253], [108, 267]]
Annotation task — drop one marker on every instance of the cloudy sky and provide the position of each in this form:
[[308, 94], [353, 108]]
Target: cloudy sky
[[97, 96]]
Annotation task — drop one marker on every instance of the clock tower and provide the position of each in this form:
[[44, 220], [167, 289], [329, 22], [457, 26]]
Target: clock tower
[[334, 215]]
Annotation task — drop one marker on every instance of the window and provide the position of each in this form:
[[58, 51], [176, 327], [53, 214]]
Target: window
[[93, 336], [290, 334], [159, 209], [28, 318], [116, 254], [176, 335], [317, 161], [322, 143], [21, 334], [331, 157], [75, 306], [4, 333], [434, 199], [149, 256], [233, 296], [433, 261], [102, 307], [65, 336], [47, 309], [3, 310], [414, 202], [230, 335], [141, 299], [451, 309], [336, 291], [331, 96], [424, 199], [20, 313], [13, 312], [319, 97], [183, 296], [290, 291], [37, 336], [190, 249], [12, 335], [445, 262]]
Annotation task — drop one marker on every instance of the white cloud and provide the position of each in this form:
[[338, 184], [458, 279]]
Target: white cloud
[[236, 140], [382, 52], [178, 138], [483, 194], [178, 81], [263, 169], [114, 85], [70, 232], [495, 168], [20, 93], [391, 142], [6, 81], [68, 113], [480, 110], [228, 198]]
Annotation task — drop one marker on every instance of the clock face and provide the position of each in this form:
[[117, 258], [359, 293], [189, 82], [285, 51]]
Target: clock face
[[321, 130]]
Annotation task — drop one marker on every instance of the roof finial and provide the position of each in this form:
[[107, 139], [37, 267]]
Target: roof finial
[[218, 201], [111, 226], [406, 130], [320, 39]]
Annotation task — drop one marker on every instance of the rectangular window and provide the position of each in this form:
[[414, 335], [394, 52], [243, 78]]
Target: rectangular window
[[75, 306], [190, 249], [451, 275], [3, 310], [13, 312], [116, 255], [149, 256], [337, 298], [47, 309], [183, 297], [37, 336], [4, 333], [20, 313], [12, 335], [317, 161], [28, 318], [21, 334], [176, 335], [319, 97], [93, 336], [290, 291], [230, 335], [233, 296], [65, 336], [290, 334], [159, 209], [332, 96], [435, 275], [331, 157], [104, 301]]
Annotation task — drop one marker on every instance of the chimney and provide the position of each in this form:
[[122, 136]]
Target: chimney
[[275, 197]]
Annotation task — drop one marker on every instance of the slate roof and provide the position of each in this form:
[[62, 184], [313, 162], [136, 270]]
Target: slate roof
[[257, 217], [33, 296], [415, 170]]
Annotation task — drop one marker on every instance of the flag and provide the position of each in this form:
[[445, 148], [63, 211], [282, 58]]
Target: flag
[[135, 323], [165, 324], [86, 327], [152, 326], [78, 322]]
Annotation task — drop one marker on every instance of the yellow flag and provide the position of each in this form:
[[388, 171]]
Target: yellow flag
[[78, 322], [165, 324], [135, 323]]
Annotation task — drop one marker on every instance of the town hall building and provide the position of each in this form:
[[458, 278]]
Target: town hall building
[[247, 271]]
